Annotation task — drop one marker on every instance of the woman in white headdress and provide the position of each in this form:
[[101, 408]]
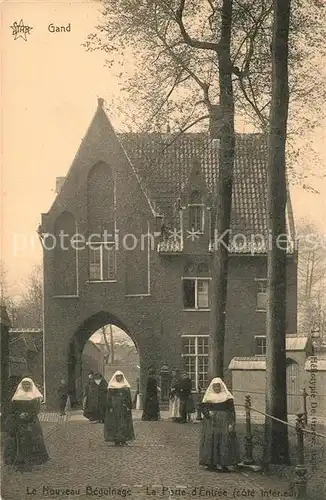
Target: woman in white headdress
[[24, 443], [118, 426], [218, 446]]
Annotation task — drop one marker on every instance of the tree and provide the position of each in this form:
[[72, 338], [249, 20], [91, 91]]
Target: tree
[[6, 299], [174, 81], [109, 346], [276, 433], [29, 311], [311, 279], [223, 204]]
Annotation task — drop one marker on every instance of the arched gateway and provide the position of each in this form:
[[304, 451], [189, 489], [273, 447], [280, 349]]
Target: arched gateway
[[77, 343], [128, 242]]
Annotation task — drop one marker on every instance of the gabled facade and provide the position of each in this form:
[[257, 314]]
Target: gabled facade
[[128, 241]]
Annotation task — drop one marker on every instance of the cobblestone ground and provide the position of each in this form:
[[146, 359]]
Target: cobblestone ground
[[163, 457]]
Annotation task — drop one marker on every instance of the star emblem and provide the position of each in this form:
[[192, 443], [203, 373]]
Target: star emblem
[[19, 30], [194, 235], [175, 235]]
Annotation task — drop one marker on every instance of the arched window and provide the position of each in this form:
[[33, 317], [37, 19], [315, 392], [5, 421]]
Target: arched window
[[100, 200], [101, 223], [196, 212]]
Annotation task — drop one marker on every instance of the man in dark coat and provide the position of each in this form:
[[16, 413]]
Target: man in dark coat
[[63, 396], [151, 406], [185, 397]]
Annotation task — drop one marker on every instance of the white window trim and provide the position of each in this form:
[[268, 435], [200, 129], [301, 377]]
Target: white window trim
[[259, 280], [196, 308], [260, 337], [202, 205], [101, 244], [101, 281], [196, 356]]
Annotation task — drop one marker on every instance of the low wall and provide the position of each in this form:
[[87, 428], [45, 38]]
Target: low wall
[[252, 382]]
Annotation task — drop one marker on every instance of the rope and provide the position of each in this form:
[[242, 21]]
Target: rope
[[283, 422], [263, 393]]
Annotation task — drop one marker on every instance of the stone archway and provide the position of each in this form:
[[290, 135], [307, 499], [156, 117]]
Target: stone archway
[[77, 343]]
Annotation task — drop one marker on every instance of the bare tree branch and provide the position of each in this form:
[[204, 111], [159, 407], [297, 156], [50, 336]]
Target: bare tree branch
[[192, 42]]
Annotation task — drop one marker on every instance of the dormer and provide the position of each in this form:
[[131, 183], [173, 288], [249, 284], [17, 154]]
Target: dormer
[[196, 215], [194, 200]]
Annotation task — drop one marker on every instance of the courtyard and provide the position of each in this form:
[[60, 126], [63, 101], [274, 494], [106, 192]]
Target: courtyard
[[161, 462]]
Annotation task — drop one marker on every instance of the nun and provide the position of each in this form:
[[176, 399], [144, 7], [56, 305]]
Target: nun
[[218, 446], [24, 442], [118, 426]]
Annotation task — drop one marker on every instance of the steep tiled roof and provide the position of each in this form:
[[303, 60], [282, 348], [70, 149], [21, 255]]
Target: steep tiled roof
[[164, 163]]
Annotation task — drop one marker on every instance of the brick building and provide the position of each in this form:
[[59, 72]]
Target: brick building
[[141, 205]]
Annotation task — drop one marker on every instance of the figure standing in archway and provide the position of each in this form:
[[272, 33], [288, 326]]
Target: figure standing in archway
[[95, 398], [118, 426], [151, 406]]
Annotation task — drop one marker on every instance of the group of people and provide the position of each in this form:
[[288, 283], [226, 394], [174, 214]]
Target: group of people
[[111, 404], [181, 402]]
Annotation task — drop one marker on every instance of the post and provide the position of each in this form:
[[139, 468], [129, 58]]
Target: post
[[199, 415], [300, 469], [305, 413], [248, 438], [248, 461]]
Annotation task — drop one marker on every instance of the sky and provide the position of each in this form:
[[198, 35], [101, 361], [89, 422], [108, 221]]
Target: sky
[[49, 92]]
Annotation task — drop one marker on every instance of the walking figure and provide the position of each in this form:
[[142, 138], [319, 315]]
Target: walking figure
[[118, 426]]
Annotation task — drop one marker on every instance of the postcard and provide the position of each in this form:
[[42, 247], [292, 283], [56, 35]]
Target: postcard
[[163, 269]]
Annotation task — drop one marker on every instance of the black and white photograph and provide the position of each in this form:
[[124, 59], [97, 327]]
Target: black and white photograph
[[163, 249]]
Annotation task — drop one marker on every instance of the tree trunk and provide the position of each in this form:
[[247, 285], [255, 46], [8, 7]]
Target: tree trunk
[[107, 345], [112, 345], [276, 433], [222, 217]]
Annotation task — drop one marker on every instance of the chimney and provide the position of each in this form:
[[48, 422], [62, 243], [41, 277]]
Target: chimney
[[59, 183], [215, 121], [168, 129], [100, 102]]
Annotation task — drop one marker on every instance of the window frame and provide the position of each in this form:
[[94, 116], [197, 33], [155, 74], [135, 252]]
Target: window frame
[[262, 355], [258, 293], [196, 279], [196, 355], [202, 217], [104, 247]]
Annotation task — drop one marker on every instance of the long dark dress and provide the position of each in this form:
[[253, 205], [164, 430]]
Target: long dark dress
[[186, 402], [95, 403], [24, 443], [151, 406], [118, 426], [218, 445]]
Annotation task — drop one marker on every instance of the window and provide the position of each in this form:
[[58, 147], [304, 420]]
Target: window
[[196, 212], [102, 262], [261, 304], [195, 293], [195, 357], [260, 345]]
